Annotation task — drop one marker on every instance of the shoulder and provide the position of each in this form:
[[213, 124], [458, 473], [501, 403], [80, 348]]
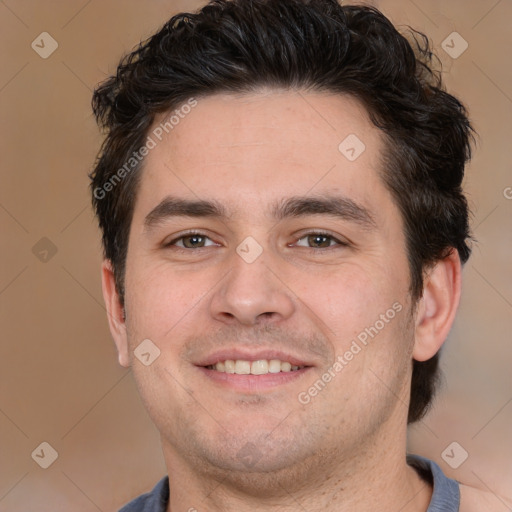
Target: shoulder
[[154, 501], [473, 499]]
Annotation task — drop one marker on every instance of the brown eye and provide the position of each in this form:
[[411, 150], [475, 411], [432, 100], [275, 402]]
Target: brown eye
[[319, 241], [191, 241]]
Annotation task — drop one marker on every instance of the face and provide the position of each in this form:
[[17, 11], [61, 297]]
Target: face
[[290, 271]]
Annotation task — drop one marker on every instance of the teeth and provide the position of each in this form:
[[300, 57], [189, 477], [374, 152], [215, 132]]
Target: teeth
[[242, 367], [260, 367], [286, 367], [274, 366]]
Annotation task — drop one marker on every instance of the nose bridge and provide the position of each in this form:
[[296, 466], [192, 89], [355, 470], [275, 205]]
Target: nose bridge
[[252, 290]]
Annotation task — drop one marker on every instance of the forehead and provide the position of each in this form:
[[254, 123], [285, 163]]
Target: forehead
[[245, 149]]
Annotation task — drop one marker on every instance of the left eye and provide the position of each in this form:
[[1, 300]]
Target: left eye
[[321, 240], [191, 241]]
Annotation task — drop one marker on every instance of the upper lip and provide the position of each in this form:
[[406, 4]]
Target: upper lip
[[251, 355]]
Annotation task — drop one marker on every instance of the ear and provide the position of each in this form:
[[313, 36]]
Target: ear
[[437, 307], [115, 312]]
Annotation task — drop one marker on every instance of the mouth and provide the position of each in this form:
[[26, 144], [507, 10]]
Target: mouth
[[258, 367], [246, 372]]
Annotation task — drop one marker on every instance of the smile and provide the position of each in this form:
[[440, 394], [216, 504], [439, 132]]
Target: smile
[[259, 367]]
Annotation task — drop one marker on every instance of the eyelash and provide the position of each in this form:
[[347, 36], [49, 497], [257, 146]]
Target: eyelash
[[305, 235]]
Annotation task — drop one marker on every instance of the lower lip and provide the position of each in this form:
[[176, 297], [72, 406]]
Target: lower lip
[[255, 383]]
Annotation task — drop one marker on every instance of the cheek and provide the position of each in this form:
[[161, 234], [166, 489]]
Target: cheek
[[349, 298], [158, 298], [341, 300]]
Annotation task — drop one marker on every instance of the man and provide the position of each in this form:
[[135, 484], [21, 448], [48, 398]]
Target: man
[[284, 227]]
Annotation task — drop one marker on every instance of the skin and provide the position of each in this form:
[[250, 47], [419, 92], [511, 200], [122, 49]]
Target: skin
[[345, 449]]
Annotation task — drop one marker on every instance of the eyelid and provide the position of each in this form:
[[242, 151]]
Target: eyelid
[[336, 238]]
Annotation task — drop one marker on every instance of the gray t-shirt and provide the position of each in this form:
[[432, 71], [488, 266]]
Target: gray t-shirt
[[445, 498]]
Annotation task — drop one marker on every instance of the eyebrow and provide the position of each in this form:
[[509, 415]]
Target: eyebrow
[[296, 206], [336, 206]]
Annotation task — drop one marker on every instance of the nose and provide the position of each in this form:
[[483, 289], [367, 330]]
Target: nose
[[252, 293]]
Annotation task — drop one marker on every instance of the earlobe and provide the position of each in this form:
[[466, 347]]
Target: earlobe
[[115, 312], [438, 306]]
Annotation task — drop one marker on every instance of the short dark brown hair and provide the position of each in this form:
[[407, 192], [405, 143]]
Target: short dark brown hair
[[239, 46]]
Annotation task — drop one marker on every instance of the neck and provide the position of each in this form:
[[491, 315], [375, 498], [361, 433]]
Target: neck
[[374, 478]]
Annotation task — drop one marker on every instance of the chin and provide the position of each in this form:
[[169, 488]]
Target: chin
[[259, 450], [261, 468]]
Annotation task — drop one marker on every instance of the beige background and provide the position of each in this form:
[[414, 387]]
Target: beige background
[[59, 378]]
